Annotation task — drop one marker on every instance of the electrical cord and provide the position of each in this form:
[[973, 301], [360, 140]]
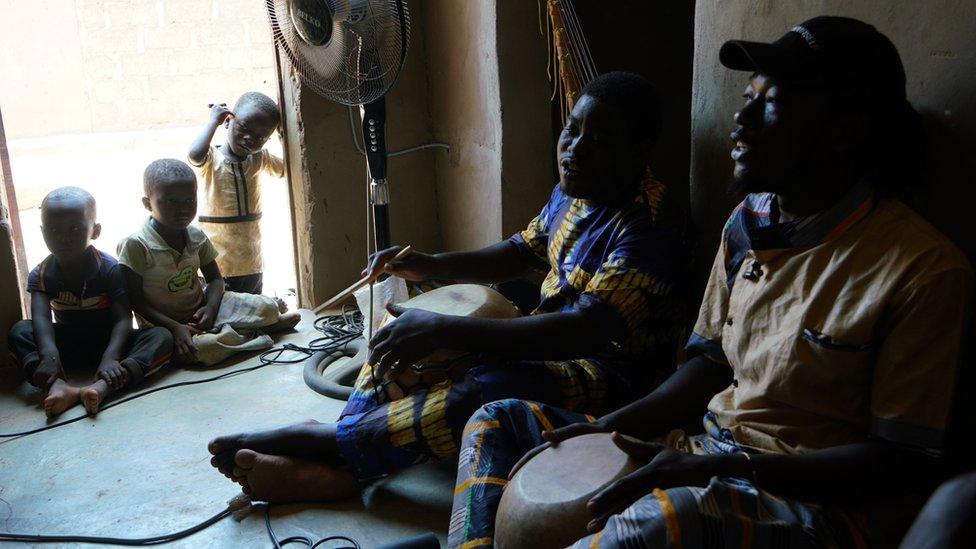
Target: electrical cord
[[155, 540], [309, 544], [338, 331]]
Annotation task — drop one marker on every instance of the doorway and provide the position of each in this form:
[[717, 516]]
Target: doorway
[[110, 86]]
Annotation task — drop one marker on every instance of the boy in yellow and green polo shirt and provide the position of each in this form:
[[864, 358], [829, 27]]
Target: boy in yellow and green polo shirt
[[160, 264]]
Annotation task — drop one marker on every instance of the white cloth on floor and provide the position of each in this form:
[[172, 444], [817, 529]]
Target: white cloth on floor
[[216, 347]]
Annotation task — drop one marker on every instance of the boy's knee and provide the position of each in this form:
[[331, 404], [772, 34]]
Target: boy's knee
[[21, 330], [161, 335]]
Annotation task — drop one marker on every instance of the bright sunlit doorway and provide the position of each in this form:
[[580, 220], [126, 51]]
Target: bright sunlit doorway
[[111, 85]]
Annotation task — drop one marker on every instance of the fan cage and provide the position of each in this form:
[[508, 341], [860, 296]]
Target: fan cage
[[364, 57]]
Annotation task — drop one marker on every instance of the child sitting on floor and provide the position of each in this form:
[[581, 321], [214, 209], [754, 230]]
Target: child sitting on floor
[[161, 261], [231, 178], [84, 289]]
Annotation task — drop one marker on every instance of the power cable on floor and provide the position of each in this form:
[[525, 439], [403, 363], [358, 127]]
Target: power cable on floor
[[105, 540], [309, 544]]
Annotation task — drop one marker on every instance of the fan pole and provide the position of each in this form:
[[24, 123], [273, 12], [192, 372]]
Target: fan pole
[[374, 137]]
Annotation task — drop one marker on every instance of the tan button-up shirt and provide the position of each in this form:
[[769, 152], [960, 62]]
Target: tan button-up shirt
[[230, 207], [839, 327]]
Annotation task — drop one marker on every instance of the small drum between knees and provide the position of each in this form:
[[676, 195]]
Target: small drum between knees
[[544, 505]]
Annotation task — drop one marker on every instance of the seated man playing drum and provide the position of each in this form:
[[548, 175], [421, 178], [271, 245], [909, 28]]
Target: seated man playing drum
[[605, 332], [826, 346]]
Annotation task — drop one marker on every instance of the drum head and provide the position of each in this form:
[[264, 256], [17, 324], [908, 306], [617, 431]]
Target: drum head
[[471, 300], [544, 505]]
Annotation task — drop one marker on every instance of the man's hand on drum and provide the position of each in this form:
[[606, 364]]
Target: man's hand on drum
[[416, 266], [415, 334], [666, 468]]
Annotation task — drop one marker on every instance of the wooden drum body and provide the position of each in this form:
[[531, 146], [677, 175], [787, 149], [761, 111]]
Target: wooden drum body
[[544, 505], [469, 300]]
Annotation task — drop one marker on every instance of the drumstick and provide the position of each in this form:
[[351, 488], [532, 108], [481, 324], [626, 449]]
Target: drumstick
[[341, 296]]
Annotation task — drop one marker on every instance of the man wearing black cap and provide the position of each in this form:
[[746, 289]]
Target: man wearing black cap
[[827, 342]]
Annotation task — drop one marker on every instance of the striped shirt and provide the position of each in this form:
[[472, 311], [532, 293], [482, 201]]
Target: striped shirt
[[80, 302]]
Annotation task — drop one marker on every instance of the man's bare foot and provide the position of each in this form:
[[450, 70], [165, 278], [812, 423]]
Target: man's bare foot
[[308, 438], [60, 397], [282, 479], [285, 322], [92, 395], [282, 306]]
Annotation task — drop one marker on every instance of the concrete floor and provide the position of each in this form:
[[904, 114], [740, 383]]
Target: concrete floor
[[142, 468]]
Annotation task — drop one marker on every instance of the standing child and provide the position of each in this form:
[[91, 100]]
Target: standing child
[[231, 177], [161, 261], [93, 322]]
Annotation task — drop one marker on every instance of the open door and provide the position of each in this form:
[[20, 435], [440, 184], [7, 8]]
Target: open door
[[13, 296]]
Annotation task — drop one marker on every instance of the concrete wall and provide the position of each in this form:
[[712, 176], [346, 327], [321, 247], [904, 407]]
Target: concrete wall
[[108, 65], [528, 147], [938, 47], [465, 111]]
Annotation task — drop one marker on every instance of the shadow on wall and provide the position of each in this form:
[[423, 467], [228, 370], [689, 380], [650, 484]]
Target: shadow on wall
[[946, 199]]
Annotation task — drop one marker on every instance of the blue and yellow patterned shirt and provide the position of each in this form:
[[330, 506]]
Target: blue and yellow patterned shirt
[[622, 259]]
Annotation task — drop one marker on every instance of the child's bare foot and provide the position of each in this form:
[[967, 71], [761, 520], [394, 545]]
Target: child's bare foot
[[92, 395], [281, 479], [60, 397], [285, 322], [282, 306]]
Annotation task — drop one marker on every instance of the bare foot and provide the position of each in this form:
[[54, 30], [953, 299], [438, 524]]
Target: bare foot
[[308, 438], [281, 479], [285, 322], [60, 397], [92, 395], [282, 306]]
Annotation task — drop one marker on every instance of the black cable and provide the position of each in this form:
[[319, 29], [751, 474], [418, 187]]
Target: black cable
[[339, 330], [309, 544], [155, 540]]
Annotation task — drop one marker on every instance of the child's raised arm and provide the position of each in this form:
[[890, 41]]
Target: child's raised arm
[[219, 113], [205, 316], [49, 367], [182, 333]]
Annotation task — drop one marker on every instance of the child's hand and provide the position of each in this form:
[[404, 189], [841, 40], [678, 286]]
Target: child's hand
[[203, 319], [219, 113], [186, 351], [48, 370], [113, 373]]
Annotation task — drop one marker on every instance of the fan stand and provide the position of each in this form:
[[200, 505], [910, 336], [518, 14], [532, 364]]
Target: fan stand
[[374, 138]]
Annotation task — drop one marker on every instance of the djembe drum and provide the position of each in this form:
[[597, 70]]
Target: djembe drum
[[470, 300], [544, 505]]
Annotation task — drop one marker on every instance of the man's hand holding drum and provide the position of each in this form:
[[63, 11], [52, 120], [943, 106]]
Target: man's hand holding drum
[[666, 468], [415, 334]]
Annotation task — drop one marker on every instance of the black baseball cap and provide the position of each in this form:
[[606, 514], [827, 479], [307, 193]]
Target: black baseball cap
[[825, 52]]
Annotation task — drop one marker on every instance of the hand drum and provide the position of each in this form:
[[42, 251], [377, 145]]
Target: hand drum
[[544, 505]]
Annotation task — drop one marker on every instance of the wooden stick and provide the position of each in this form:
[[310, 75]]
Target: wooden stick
[[344, 294]]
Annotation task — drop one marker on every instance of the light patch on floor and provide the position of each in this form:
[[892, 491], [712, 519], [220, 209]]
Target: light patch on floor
[[142, 468]]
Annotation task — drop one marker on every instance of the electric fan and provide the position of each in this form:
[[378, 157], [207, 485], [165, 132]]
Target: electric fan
[[350, 51]]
